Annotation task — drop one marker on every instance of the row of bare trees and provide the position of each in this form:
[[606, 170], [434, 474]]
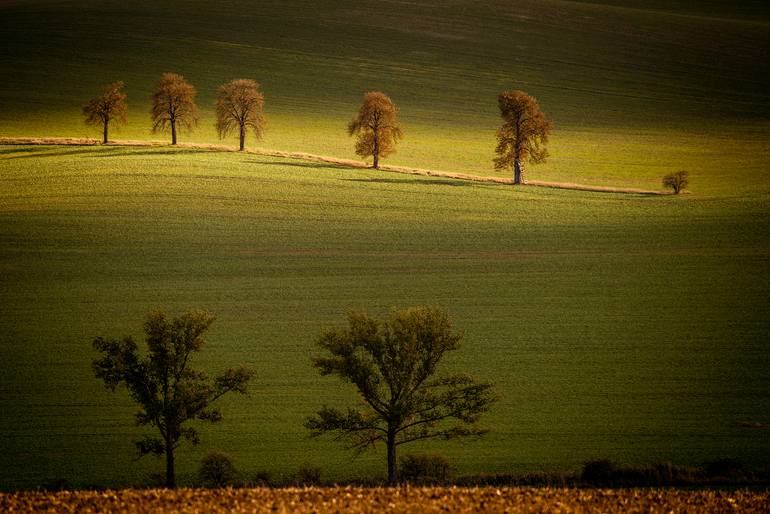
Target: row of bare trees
[[240, 108]]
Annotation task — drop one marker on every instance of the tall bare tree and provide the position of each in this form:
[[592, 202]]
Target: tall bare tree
[[173, 105], [524, 132], [169, 392], [109, 107], [376, 127], [392, 364], [239, 106]]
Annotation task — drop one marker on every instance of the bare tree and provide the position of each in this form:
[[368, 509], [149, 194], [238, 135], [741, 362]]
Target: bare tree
[[173, 104], [109, 107], [392, 364], [676, 181], [239, 106], [524, 133], [376, 127]]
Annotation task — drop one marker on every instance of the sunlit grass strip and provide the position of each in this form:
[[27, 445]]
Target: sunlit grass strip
[[331, 160]]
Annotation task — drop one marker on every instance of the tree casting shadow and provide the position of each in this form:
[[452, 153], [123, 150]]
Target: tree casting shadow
[[314, 164], [164, 151], [47, 152], [421, 181]]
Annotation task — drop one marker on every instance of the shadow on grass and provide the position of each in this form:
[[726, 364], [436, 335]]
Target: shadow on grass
[[49, 151], [421, 181], [7, 151], [313, 164], [164, 151]]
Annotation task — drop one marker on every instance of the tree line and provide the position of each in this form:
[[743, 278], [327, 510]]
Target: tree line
[[522, 137], [240, 108], [392, 364]]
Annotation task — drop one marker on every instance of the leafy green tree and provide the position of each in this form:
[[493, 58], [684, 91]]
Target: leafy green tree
[[169, 393], [392, 365], [524, 132]]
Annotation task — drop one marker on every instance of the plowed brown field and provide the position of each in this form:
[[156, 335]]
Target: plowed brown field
[[405, 499]]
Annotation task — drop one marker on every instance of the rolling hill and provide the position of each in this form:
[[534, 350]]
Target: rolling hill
[[614, 326], [636, 92]]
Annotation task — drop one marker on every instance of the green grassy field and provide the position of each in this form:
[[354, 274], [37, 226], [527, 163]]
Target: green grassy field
[[616, 326]]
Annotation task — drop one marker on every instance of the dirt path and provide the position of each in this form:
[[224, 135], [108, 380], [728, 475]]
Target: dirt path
[[330, 160]]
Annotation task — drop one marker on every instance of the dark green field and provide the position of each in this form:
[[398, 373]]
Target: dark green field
[[614, 326]]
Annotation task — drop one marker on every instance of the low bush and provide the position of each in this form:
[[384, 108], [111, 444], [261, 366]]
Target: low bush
[[726, 469], [308, 475], [262, 479], [424, 469], [56, 484], [599, 472], [605, 473], [217, 470]]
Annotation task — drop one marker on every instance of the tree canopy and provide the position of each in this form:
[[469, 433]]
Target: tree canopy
[[676, 181], [109, 107], [173, 105], [239, 106], [392, 364], [168, 391], [524, 132], [376, 127]]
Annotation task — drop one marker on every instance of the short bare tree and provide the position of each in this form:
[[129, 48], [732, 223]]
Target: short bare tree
[[523, 135], [676, 181], [376, 127], [173, 105], [109, 107], [239, 106]]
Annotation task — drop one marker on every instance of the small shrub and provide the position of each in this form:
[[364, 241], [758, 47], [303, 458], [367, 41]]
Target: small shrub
[[599, 472], [545, 479], [217, 470], [155, 480], [424, 469], [676, 181], [262, 479], [308, 475], [56, 484], [726, 469]]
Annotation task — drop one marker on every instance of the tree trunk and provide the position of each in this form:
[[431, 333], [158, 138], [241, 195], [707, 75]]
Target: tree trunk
[[173, 132], [376, 152], [170, 473], [392, 471], [516, 172], [243, 137], [517, 152], [106, 124]]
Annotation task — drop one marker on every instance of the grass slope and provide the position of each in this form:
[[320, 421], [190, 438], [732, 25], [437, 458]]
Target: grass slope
[[632, 328], [637, 89], [48, 141]]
